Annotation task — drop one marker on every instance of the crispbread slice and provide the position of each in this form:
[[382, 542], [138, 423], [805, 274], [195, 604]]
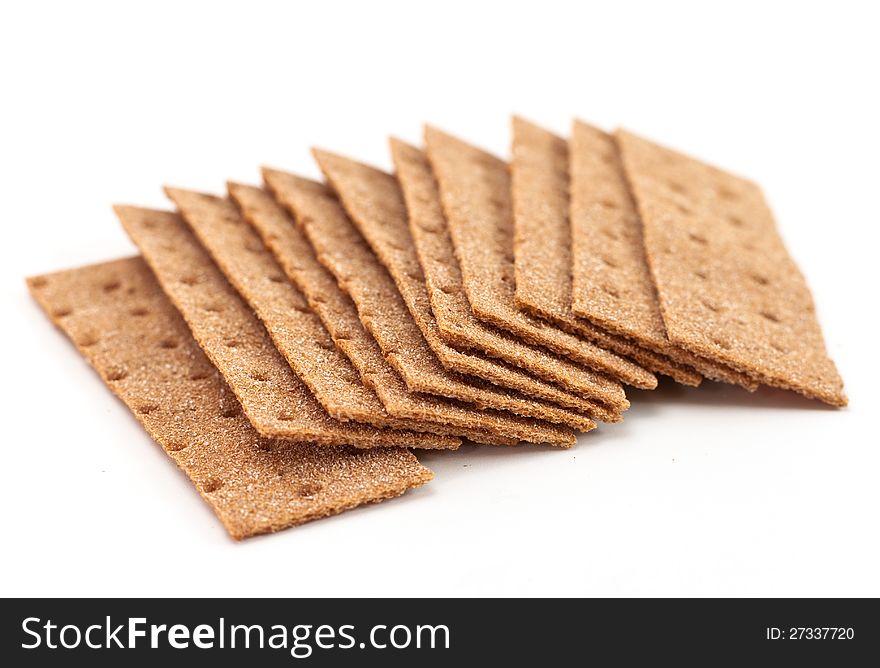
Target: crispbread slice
[[380, 307], [543, 240], [728, 289], [455, 320], [299, 334], [121, 322], [272, 396], [338, 314], [375, 204], [613, 269], [475, 193], [238, 248]]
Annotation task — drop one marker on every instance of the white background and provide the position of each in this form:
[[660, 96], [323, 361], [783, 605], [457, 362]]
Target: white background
[[699, 492]]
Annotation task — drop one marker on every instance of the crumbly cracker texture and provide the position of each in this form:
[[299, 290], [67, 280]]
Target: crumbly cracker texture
[[727, 287], [339, 315], [274, 398], [600, 250], [475, 192], [341, 249], [121, 322], [542, 252], [375, 204]]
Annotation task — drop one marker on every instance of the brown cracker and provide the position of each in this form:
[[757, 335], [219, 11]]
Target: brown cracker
[[549, 249], [271, 394], [380, 307], [338, 314], [475, 193], [543, 240], [450, 306], [254, 485], [297, 332], [455, 320], [728, 289], [375, 204]]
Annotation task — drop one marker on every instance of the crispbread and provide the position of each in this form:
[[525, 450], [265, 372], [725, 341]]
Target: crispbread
[[727, 287], [273, 398], [338, 314], [254, 485], [475, 192], [455, 320], [375, 204], [380, 307], [613, 269], [542, 244], [249, 262]]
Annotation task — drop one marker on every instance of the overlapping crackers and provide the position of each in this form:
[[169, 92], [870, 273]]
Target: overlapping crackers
[[340, 317], [380, 307], [272, 395], [600, 271], [123, 324], [540, 184], [449, 305], [374, 202], [206, 214], [475, 192], [288, 344]]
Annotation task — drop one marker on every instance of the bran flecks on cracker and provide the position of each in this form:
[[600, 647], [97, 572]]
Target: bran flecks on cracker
[[375, 204], [249, 269], [339, 315], [595, 261], [727, 287], [121, 322], [341, 249], [474, 189], [456, 322], [273, 396]]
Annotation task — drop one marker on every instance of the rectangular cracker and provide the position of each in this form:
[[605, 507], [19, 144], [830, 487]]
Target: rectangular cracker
[[543, 239], [599, 250], [271, 394], [728, 289], [475, 192], [222, 237], [375, 204], [449, 305], [248, 263], [254, 485], [380, 307], [338, 314]]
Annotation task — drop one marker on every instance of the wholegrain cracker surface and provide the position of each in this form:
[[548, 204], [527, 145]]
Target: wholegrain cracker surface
[[341, 249], [727, 287], [339, 315], [449, 305], [543, 245], [375, 204], [121, 322], [274, 398], [475, 193], [600, 249]]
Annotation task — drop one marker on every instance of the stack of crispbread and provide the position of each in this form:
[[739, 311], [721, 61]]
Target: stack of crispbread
[[289, 345]]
